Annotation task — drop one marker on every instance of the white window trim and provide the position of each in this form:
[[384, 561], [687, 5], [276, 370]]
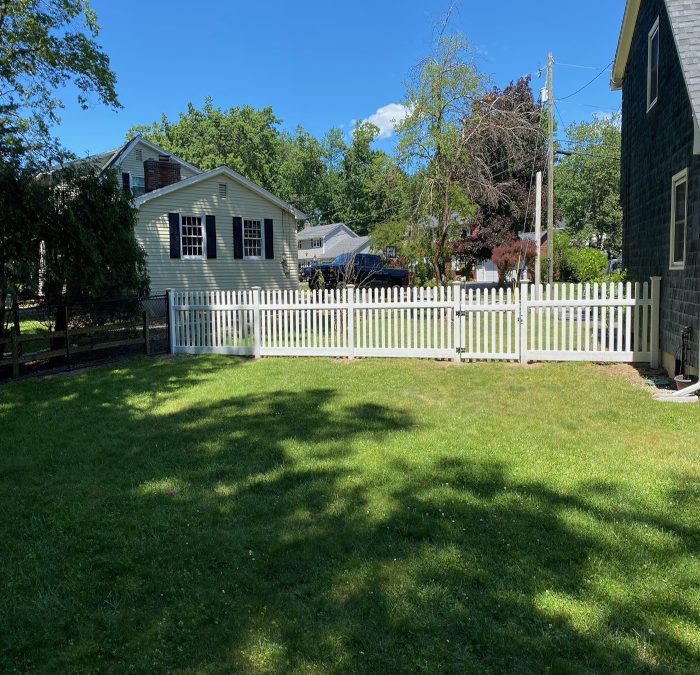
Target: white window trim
[[317, 239], [262, 240], [204, 238], [678, 179], [652, 32]]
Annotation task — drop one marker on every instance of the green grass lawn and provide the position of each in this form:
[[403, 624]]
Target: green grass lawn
[[216, 515]]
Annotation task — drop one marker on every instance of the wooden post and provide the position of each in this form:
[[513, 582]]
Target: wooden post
[[457, 324], [655, 314], [350, 290], [146, 335], [15, 353], [538, 235], [257, 324], [523, 321]]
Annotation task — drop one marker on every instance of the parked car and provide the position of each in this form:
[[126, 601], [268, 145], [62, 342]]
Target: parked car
[[615, 265], [362, 269]]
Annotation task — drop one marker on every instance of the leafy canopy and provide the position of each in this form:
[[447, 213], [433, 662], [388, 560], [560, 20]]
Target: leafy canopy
[[588, 183], [46, 45]]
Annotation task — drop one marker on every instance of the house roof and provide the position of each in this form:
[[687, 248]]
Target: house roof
[[316, 231], [684, 16], [220, 171], [126, 149], [115, 157], [345, 246]]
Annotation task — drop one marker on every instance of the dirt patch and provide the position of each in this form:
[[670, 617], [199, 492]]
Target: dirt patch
[[637, 375]]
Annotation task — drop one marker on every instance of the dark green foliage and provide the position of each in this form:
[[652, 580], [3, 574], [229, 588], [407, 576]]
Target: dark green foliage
[[91, 248]]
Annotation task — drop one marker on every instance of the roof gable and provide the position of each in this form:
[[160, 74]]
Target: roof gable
[[120, 156], [315, 231], [684, 16], [220, 171]]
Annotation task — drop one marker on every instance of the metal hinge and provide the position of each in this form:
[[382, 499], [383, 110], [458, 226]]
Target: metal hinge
[[461, 350], [461, 312]]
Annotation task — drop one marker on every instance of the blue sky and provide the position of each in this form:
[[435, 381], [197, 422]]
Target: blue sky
[[325, 64]]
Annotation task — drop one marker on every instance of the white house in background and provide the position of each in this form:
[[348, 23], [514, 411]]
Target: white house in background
[[323, 243], [205, 230]]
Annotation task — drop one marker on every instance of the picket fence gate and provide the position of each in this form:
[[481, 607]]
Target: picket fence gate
[[559, 322]]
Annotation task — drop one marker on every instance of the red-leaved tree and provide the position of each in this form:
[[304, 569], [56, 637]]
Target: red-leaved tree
[[512, 256]]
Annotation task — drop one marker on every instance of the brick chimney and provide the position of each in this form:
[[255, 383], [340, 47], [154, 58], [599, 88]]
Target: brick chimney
[[160, 172]]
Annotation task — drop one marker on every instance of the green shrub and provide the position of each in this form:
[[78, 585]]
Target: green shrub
[[584, 265]]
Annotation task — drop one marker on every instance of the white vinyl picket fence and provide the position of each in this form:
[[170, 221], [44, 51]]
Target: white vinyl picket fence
[[562, 322]]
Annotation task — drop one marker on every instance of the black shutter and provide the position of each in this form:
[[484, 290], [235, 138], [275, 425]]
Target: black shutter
[[174, 221], [269, 244], [237, 237], [211, 236], [126, 182]]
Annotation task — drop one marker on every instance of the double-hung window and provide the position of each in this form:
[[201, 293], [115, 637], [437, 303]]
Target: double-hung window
[[317, 243], [679, 219], [192, 237], [653, 66], [252, 239], [138, 185]]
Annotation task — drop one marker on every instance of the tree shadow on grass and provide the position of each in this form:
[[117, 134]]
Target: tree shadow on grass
[[282, 531]]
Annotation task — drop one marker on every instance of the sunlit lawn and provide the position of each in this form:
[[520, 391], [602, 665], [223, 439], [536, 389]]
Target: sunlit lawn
[[212, 515]]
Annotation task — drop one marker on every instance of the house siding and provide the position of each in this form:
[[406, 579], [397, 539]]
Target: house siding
[[132, 165], [656, 146], [224, 272], [330, 241]]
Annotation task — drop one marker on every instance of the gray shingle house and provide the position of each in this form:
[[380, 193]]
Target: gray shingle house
[[657, 67]]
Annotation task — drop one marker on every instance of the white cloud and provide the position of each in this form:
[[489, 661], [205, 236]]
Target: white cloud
[[387, 117]]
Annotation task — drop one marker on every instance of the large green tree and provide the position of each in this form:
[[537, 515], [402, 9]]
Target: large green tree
[[45, 46], [433, 144], [587, 183]]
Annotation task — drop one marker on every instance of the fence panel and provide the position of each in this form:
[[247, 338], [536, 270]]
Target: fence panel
[[561, 322], [490, 324], [591, 322], [212, 322]]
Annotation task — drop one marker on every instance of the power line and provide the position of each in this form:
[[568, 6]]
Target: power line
[[588, 84]]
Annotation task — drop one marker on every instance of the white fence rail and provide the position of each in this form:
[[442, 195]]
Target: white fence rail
[[562, 322]]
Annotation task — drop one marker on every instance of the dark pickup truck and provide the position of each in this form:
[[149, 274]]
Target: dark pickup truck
[[362, 269]]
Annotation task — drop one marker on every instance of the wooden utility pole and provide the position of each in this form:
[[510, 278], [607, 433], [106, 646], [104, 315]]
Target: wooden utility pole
[[538, 232], [550, 171]]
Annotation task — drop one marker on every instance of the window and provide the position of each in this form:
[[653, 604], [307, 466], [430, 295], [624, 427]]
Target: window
[[192, 239], [653, 66], [252, 239], [138, 185], [317, 243], [299, 244], [138, 154], [679, 219], [223, 190]]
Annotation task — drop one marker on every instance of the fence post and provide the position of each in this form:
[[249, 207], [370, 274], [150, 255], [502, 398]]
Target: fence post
[[168, 320], [15, 353], [523, 297], [457, 324], [146, 336], [350, 290], [257, 323], [67, 318], [655, 313]]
